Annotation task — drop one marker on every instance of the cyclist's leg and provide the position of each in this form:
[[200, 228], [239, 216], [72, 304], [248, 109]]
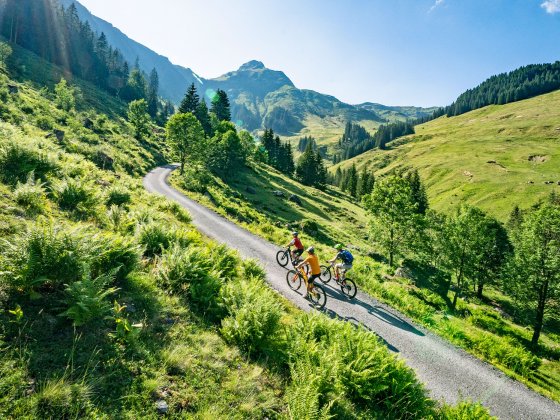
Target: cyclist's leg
[[345, 268], [337, 270], [310, 282]]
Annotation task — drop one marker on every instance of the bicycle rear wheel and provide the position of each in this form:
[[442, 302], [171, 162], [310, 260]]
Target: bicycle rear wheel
[[293, 278], [326, 274], [318, 297], [282, 258], [349, 288]]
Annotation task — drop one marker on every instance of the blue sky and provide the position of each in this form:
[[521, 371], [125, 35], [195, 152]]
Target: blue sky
[[395, 52]]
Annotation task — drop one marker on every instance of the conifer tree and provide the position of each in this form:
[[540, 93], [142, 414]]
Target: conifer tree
[[202, 115], [220, 106], [352, 180], [320, 171], [152, 96], [190, 102], [418, 191], [306, 166]]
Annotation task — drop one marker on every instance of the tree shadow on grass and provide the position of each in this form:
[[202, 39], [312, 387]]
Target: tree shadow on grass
[[55, 349]]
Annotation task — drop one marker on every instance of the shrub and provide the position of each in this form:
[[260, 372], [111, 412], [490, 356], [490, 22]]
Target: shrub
[[86, 299], [353, 361], [44, 123], [254, 314], [196, 179], [179, 212], [45, 256], [303, 393], [464, 410], [190, 272], [224, 261], [118, 195], [17, 161], [76, 196], [252, 268], [117, 217], [31, 196]]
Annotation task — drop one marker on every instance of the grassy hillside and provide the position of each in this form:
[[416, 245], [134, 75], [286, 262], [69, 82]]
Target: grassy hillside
[[495, 157], [494, 329], [325, 217], [113, 306]]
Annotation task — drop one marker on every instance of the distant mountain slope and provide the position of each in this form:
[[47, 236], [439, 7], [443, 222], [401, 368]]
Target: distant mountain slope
[[268, 98], [260, 97], [398, 113], [174, 79], [494, 157]]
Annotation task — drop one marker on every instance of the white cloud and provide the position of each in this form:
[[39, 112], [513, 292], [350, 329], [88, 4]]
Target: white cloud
[[551, 6], [440, 2]]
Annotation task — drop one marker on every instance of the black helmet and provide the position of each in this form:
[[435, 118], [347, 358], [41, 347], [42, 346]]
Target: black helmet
[[294, 233], [311, 250]]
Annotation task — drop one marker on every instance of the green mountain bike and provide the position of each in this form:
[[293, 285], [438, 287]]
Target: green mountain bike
[[347, 286]]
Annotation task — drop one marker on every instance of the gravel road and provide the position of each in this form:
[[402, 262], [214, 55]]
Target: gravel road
[[449, 373]]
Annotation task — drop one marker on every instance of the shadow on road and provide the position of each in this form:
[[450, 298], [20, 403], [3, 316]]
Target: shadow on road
[[376, 311]]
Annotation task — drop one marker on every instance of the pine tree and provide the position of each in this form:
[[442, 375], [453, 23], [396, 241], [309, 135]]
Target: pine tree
[[306, 166], [190, 101], [152, 97], [202, 115], [418, 191], [353, 180], [220, 106], [320, 171]]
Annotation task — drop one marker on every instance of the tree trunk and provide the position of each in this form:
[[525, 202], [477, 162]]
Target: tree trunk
[[459, 281], [479, 290], [182, 167], [543, 292], [391, 249]]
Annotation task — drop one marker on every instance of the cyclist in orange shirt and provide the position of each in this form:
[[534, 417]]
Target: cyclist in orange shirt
[[313, 262]]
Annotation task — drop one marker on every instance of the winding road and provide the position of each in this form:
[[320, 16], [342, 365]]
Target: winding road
[[449, 373]]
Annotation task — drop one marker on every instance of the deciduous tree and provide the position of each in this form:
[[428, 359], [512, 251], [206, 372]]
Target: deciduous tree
[[186, 139]]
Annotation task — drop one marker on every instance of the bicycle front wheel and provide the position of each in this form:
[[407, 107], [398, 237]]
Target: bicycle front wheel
[[293, 278], [318, 296], [326, 274], [349, 288], [282, 258]]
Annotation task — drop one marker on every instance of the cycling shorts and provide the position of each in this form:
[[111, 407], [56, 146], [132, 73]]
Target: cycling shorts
[[343, 266], [298, 252], [313, 277]]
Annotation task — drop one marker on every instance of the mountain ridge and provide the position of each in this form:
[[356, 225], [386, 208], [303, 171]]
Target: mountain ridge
[[252, 88]]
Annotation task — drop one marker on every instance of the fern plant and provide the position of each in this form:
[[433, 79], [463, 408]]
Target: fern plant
[[31, 195], [87, 299]]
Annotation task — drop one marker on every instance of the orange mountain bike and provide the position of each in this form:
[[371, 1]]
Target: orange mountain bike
[[317, 295]]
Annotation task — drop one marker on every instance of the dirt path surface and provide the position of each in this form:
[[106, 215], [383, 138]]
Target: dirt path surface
[[449, 373]]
